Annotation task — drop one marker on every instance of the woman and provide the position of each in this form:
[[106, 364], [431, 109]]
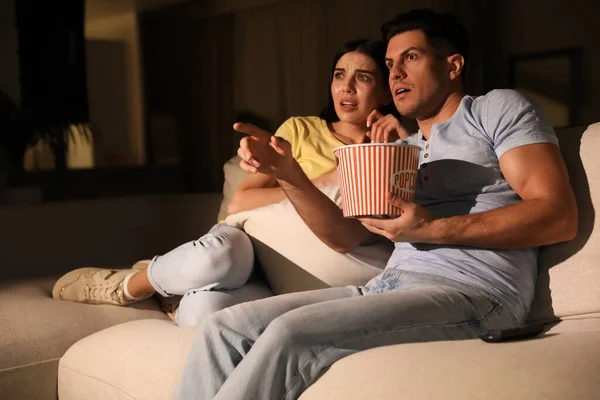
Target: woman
[[223, 258]]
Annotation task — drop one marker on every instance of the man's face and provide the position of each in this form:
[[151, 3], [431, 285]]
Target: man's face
[[419, 79]]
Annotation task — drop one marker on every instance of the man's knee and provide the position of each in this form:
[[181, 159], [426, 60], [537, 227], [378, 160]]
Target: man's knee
[[284, 333], [212, 324], [196, 306]]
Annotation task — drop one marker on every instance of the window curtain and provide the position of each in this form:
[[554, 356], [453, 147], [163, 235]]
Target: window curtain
[[188, 69], [209, 86]]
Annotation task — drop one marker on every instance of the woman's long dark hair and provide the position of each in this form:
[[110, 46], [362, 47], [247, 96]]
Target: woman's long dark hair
[[376, 50]]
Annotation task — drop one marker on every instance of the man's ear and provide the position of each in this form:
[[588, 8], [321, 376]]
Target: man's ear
[[456, 63]]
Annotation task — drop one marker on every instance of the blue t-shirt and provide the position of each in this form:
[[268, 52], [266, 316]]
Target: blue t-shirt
[[459, 173]]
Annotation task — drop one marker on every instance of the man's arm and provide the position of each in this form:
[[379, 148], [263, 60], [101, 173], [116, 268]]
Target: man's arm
[[271, 155], [322, 216], [547, 214]]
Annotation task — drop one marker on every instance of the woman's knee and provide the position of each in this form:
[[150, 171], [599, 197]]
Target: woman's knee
[[225, 256], [228, 246]]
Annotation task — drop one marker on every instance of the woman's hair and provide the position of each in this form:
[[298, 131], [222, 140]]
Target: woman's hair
[[376, 50]]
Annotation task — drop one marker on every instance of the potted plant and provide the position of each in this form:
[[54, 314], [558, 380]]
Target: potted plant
[[20, 130]]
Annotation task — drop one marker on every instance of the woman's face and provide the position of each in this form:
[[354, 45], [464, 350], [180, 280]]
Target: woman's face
[[357, 88]]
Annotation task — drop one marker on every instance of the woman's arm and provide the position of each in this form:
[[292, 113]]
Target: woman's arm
[[259, 190], [256, 190]]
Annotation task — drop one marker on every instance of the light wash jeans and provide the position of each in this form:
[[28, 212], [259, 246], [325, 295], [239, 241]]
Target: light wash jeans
[[275, 348], [205, 271]]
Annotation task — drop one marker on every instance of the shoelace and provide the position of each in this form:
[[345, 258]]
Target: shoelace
[[104, 293]]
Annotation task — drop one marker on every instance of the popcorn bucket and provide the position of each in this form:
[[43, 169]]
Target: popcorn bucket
[[368, 172]]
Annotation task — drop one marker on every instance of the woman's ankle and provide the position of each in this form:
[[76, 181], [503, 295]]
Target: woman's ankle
[[138, 285]]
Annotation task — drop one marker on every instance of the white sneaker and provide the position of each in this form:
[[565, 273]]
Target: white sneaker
[[94, 286]]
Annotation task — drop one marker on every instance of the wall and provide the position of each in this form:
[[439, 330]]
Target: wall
[[510, 27], [284, 50], [108, 99], [9, 64], [279, 55], [124, 28], [109, 232], [188, 83], [517, 27]]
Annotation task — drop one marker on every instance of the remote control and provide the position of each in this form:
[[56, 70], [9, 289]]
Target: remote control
[[503, 335]]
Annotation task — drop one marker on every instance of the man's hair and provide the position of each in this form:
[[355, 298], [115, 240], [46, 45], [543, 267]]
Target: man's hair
[[443, 32]]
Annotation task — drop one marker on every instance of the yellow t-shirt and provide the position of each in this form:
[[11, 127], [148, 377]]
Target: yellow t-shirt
[[312, 144]]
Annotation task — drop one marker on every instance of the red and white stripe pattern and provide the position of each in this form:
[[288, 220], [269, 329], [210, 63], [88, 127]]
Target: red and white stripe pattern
[[368, 172]]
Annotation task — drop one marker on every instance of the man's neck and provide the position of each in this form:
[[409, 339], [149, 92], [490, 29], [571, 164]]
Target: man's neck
[[348, 133], [447, 110]]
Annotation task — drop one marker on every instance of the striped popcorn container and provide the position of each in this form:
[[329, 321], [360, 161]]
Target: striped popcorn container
[[368, 172]]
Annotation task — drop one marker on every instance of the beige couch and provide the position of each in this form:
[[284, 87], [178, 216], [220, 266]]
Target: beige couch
[[142, 359]]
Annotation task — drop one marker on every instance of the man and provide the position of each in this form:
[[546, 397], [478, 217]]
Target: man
[[492, 187]]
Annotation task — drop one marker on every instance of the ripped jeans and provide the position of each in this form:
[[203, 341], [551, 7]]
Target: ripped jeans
[[205, 272]]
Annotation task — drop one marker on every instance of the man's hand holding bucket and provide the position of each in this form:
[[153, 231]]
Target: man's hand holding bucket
[[411, 226]]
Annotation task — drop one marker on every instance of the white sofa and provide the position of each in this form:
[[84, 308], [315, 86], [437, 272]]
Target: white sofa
[[564, 363]]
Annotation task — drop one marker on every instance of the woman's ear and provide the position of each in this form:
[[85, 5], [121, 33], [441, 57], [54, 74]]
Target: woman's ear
[[456, 63]]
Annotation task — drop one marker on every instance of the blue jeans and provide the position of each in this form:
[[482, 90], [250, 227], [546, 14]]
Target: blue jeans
[[295, 337], [206, 272]]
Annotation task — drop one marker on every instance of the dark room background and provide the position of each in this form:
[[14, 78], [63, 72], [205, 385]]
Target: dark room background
[[165, 79]]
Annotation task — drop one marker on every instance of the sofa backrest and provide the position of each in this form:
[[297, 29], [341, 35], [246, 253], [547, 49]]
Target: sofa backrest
[[52, 238], [234, 175], [569, 273]]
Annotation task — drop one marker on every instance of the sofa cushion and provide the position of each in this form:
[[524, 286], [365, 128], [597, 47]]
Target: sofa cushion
[[36, 331], [562, 365], [118, 363], [233, 177], [293, 258], [569, 273], [302, 261], [276, 232], [135, 360]]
